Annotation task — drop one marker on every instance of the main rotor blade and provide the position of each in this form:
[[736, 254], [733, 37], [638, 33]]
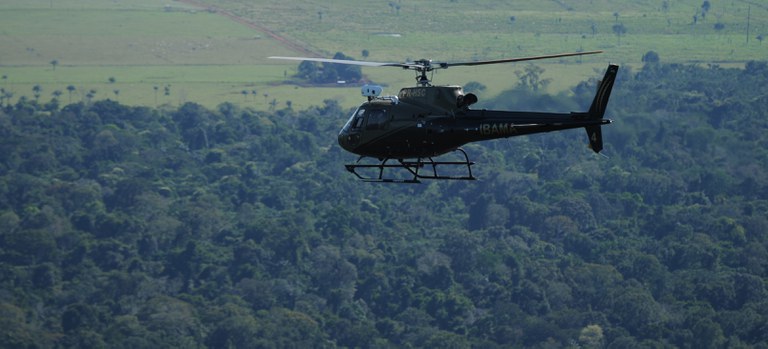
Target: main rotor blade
[[510, 60], [345, 61], [423, 66]]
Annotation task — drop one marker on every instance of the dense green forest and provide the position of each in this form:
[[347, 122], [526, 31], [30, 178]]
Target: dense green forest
[[136, 227]]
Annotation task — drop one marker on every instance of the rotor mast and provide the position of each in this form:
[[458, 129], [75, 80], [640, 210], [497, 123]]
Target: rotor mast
[[421, 67]]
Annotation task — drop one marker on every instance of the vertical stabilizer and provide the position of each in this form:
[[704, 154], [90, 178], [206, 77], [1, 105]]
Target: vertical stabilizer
[[597, 109], [600, 102], [595, 134]]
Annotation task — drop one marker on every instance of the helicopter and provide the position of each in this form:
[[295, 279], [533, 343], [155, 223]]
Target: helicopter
[[411, 129]]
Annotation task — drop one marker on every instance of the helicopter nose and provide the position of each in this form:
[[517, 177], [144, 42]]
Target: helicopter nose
[[348, 141]]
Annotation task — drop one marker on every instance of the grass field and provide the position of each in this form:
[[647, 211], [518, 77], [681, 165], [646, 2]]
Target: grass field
[[214, 51]]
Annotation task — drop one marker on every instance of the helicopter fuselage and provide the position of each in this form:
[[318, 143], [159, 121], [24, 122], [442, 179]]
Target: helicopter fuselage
[[429, 121]]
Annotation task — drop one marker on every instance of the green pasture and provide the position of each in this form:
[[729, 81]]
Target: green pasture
[[462, 30], [132, 50]]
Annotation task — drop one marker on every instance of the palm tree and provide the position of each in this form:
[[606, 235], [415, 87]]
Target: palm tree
[[619, 29], [8, 95], [705, 6], [54, 63], [70, 89], [89, 96], [36, 90]]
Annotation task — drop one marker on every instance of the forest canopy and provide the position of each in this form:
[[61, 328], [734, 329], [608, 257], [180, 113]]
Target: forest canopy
[[131, 227]]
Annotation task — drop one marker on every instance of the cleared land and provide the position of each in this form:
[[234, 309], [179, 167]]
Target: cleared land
[[215, 51]]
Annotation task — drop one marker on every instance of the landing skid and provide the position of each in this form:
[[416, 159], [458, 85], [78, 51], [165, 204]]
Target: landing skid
[[414, 167]]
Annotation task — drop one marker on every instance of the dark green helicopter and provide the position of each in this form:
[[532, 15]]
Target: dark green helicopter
[[426, 121]]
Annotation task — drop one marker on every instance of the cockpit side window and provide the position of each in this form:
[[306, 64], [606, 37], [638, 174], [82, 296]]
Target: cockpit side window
[[377, 119]]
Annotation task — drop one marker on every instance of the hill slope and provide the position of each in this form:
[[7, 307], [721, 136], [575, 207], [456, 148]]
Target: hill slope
[[192, 227]]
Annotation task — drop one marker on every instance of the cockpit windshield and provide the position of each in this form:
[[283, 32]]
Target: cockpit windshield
[[356, 120]]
